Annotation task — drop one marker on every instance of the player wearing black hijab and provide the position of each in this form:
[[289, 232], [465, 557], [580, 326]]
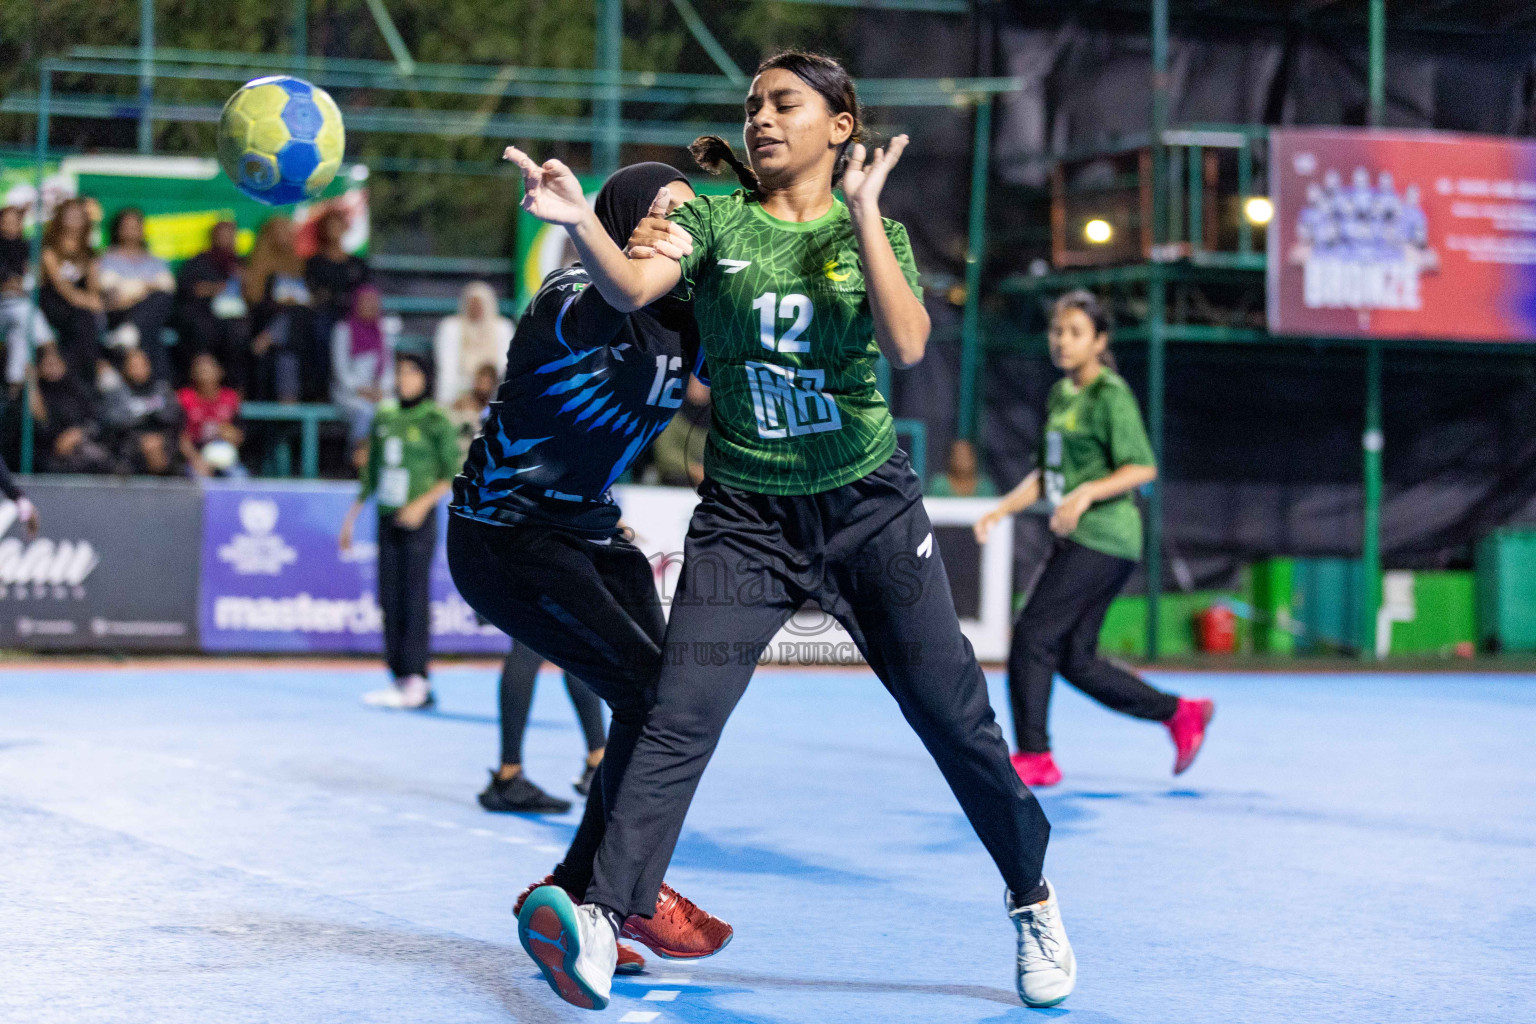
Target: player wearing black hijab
[[534, 541]]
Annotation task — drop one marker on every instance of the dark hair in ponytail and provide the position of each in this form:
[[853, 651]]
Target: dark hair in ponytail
[[1088, 304], [714, 154], [831, 82]]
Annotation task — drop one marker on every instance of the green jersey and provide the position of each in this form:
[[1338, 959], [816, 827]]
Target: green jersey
[[1089, 433], [789, 345], [409, 450]]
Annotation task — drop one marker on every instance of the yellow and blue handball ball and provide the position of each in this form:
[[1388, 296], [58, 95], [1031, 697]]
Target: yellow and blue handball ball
[[280, 140]]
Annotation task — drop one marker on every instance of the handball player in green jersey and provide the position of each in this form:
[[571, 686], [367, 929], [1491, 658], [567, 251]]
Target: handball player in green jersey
[[806, 498], [1093, 453]]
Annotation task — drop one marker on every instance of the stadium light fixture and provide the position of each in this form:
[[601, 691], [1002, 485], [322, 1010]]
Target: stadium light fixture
[[1258, 210], [1098, 231]]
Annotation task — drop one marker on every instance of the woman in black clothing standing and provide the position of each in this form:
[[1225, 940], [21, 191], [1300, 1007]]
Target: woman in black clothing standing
[[71, 295]]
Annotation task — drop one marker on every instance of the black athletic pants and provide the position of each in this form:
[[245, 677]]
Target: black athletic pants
[[1058, 631], [405, 593], [865, 553], [518, 674], [590, 608]]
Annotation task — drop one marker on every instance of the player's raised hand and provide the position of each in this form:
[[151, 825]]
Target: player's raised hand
[[550, 190], [864, 178], [656, 235]]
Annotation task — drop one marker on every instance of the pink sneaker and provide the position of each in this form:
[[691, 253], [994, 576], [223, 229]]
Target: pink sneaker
[[1187, 727], [1037, 770]]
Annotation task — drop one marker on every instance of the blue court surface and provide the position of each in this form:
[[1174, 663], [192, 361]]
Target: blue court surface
[[211, 844]]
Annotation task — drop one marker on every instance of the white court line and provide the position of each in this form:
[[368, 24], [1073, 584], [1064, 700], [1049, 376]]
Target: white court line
[[661, 995], [674, 979], [639, 1017]]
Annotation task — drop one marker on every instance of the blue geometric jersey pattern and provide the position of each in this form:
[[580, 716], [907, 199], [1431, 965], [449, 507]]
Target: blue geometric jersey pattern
[[587, 390]]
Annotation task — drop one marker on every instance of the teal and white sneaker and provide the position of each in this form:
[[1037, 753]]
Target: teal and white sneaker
[[573, 945], [1047, 970]]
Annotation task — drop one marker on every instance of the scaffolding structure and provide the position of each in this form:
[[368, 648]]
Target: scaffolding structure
[[1177, 255]]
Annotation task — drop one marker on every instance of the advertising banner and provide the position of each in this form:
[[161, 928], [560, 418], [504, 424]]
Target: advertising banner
[[274, 578], [1402, 235], [113, 568], [182, 198]]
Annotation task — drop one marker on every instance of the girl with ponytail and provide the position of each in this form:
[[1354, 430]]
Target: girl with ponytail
[[1093, 454], [806, 497]]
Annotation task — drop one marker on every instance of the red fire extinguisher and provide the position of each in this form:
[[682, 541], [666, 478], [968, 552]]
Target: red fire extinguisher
[[1217, 630]]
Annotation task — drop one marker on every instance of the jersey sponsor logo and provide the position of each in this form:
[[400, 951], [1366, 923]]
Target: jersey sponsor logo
[[833, 274], [926, 547], [789, 403], [735, 266]]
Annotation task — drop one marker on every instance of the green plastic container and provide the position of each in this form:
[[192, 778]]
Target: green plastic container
[[1506, 590]]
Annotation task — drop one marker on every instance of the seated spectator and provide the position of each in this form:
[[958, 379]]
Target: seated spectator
[[333, 274], [961, 478], [22, 325], [363, 361], [64, 414], [286, 363], [136, 288], [678, 454], [142, 418], [71, 294], [210, 440], [210, 312], [467, 413], [478, 334]]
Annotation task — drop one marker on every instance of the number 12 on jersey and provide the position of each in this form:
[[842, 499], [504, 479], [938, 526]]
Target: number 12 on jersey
[[771, 309]]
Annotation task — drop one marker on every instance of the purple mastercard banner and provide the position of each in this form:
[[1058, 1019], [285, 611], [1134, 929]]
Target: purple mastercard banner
[[274, 579]]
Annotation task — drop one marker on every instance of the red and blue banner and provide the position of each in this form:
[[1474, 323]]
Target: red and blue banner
[[1402, 235]]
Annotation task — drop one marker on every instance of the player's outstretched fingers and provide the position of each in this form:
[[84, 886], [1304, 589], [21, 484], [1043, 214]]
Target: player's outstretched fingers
[[517, 156], [856, 156]]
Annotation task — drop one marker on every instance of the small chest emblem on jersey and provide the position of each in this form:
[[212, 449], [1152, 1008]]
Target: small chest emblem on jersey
[[735, 266], [833, 274]]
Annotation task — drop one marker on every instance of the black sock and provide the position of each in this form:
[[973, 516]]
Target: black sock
[[614, 918], [1039, 894]]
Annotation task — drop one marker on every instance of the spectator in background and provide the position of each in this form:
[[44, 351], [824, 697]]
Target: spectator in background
[[22, 325], [210, 311], [362, 362], [678, 454], [477, 335], [71, 293], [961, 478], [468, 410], [136, 288], [412, 459], [285, 366], [333, 274], [142, 417], [64, 412], [210, 440]]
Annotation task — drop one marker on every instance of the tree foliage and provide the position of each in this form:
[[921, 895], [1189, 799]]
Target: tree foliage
[[416, 211]]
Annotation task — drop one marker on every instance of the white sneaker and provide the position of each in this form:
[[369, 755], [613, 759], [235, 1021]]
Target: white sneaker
[[409, 694], [573, 945], [1047, 970]]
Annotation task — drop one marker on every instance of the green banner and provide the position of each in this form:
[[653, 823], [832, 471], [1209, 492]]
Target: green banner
[[182, 198]]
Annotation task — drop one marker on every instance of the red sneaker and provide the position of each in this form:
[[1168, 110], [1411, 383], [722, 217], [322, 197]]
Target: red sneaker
[[679, 930], [1037, 770], [630, 962], [1187, 727]]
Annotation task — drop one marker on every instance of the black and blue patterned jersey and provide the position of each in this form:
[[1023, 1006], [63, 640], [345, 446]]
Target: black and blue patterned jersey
[[586, 392]]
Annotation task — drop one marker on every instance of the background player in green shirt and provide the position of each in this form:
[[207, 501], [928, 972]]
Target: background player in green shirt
[[413, 454], [1093, 453], [805, 497]]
